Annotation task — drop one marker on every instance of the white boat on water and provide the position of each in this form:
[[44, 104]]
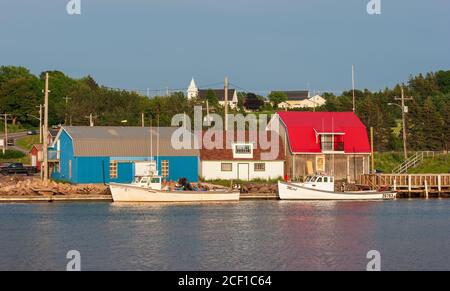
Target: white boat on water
[[321, 187], [148, 189]]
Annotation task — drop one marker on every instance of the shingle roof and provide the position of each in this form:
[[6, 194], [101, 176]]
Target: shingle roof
[[125, 141], [296, 95], [220, 94], [226, 154]]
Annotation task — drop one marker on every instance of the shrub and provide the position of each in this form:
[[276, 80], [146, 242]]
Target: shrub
[[11, 154]]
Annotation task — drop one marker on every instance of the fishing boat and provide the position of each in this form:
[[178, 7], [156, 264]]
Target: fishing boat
[[148, 189], [321, 187]]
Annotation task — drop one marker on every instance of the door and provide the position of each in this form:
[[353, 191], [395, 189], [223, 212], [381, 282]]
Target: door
[[243, 172], [33, 161]]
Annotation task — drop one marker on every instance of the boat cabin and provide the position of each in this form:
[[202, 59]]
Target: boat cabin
[[148, 182], [320, 182]]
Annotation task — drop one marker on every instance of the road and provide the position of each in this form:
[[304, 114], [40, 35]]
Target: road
[[15, 136]]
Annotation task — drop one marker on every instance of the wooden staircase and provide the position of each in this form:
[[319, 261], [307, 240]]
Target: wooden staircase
[[412, 162]]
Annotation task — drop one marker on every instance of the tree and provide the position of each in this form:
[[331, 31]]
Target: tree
[[277, 97], [212, 98]]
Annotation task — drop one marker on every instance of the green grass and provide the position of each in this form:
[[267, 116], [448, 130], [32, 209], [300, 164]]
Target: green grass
[[437, 165], [387, 161], [27, 142], [227, 183], [13, 156], [15, 128]]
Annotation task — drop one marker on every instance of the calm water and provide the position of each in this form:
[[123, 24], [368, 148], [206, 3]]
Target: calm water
[[254, 235]]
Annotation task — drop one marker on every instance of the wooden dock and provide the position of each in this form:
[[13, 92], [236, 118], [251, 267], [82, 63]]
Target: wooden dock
[[410, 185]]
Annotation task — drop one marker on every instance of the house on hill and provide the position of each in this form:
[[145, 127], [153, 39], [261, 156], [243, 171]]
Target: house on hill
[[335, 143], [104, 154], [301, 99], [193, 92]]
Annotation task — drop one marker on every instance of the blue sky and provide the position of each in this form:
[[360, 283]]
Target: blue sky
[[261, 45]]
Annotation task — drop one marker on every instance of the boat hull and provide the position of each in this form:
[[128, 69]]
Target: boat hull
[[288, 191], [130, 193]]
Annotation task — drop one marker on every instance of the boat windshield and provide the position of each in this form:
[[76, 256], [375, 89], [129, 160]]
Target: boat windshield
[[155, 180], [137, 179], [144, 180]]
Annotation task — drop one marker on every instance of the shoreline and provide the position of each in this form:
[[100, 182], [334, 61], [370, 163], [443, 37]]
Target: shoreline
[[56, 198]]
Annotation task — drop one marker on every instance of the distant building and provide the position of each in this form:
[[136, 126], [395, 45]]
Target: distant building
[[243, 160], [334, 143], [301, 99], [104, 154], [36, 156], [193, 92]]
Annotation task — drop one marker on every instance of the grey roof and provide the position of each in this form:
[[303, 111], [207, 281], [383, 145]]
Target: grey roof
[[296, 95], [115, 141], [220, 94]]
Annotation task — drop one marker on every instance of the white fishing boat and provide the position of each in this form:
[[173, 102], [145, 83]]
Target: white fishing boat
[[148, 189], [320, 187]]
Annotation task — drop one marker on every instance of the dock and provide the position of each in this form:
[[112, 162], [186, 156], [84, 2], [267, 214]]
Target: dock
[[410, 185]]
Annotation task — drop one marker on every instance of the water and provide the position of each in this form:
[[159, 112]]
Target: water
[[252, 235]]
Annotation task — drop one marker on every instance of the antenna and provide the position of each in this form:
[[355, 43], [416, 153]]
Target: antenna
[[353, 87], [157, 144]]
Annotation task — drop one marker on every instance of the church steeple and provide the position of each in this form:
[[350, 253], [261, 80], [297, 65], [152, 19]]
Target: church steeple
[[192, 91]]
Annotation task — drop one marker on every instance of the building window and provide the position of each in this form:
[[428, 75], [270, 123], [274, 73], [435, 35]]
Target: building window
[[260, 167], [320, 164], [165, 168], [227, 167], [327, 143], [113, 169], [243, 150]]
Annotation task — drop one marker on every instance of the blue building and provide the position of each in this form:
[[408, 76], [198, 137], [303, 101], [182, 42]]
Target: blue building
[[103, 154]]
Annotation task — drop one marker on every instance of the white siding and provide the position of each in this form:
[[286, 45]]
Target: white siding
[[211, 170]]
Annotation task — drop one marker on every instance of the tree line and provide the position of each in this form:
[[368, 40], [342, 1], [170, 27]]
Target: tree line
[[71, 101]]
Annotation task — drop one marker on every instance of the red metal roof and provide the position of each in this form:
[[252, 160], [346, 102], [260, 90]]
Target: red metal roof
[[303, 127]]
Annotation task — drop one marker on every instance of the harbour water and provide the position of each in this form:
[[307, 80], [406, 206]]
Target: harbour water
[[250, 235]]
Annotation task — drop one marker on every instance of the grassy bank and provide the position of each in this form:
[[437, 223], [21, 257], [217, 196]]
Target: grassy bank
[[12, 156], [27, 142], [388, 161]]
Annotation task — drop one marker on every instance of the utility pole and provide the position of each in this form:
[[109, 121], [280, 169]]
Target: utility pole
[[40, 123], [226, 103], [353, 87], [65, 116], [142, 119], [404, 111], [45, 131]]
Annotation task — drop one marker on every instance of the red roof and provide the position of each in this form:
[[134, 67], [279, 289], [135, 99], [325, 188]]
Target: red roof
[[303, 129]]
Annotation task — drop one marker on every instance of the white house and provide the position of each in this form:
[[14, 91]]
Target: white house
[[301, 99], [242, 159], [193, 92]]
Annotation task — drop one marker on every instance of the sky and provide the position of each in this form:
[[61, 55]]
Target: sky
[[261, 45]]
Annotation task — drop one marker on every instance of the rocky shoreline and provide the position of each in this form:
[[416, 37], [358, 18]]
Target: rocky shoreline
[[26, 186]]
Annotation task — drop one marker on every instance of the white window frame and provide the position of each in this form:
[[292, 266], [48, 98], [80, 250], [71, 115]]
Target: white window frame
[[222, 164], [259, 170], [240, 155]]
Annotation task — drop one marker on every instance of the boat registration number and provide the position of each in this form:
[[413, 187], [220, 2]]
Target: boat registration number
[[389, 196]]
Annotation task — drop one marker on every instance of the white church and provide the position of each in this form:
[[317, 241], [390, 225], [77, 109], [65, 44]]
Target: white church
[[193, 93]]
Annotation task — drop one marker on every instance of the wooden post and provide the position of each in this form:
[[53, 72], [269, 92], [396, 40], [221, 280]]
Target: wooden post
[[426, 188], [142, 119], [395, 184], [45, 131], [371, 146], [226, 103], [439, 183]]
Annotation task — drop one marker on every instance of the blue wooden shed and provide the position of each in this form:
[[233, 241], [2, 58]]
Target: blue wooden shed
[[104, 154]]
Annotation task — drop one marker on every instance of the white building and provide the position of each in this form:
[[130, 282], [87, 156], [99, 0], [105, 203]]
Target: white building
[[301, 99], [193, 92], [243, 160]]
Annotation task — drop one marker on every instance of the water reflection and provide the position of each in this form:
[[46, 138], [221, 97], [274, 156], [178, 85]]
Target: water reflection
[[250, 235]]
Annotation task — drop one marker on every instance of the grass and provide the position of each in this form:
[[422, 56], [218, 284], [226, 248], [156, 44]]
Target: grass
[[15, 128], [13, 156], [438, 164], [27, 142], [388, 161], [227, 183]]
